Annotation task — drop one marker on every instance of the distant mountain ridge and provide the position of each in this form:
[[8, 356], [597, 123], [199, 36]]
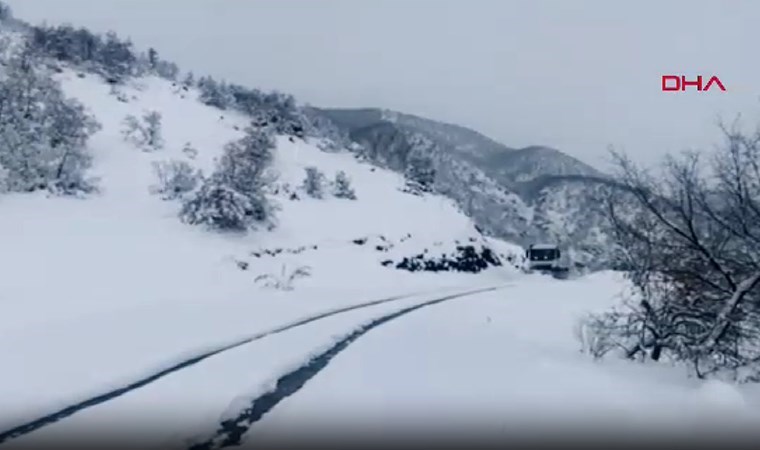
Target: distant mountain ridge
[[507, 163], [521, 194]]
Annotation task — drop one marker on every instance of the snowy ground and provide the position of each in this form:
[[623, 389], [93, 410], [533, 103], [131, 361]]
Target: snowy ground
[[498, 362]]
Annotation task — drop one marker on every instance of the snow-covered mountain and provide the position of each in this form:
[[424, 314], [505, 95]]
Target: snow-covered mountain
[[523, 195]]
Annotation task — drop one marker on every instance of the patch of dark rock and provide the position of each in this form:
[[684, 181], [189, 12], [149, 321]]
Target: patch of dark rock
[[465, 259]]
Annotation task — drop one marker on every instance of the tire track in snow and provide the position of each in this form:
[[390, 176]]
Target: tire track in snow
[[231, 431], [70, 410]]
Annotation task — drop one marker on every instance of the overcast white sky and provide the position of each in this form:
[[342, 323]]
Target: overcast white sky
[[577, 75]]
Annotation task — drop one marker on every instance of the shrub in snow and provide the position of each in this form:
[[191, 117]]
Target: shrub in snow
[[189, 79], [190, 151], [131, 129], [145, 133], [213, 93], [175, 178], [233, 197], [314, 183], [594, 341], [342, 186], [285, 278], [116, 92], [219, 206], [154, 140], [43, 134]]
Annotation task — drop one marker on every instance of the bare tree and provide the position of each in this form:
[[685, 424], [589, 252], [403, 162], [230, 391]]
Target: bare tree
[[691, 249]]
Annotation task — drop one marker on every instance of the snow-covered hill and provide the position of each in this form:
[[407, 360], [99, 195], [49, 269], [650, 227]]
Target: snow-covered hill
[[103, 288]]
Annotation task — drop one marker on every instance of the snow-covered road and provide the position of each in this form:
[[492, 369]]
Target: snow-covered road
[[190, 400], [500, 361]]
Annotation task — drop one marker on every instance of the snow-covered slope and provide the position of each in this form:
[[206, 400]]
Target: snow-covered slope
[[101, 289], [509, 193]]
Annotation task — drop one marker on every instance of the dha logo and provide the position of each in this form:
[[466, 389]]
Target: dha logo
[[680, 83]]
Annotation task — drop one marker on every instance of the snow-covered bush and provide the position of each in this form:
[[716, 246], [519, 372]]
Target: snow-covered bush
[[219, 206], [43, 134], [175, 178], [214, 93], [420, 173], [233, 197], [115, 91], [314, 183], [594, 333], [285, 278], [190, 151], [146, 133], [342, 186], [154, 139]]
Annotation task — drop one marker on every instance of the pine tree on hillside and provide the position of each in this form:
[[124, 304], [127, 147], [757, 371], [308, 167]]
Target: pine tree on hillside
[[342, 186]]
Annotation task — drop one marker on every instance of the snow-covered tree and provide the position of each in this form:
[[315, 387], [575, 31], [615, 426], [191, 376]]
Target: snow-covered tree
[[116, 57], [146, 133], [154, 139], [132, 129], [215, 93], [219, 206], [314, 183], [189, 79], [152, 58], [690, 250], [43, 134], [4, 184], [233, 197], [342, 186], [5, 12], [175, 178], [420, 172]]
